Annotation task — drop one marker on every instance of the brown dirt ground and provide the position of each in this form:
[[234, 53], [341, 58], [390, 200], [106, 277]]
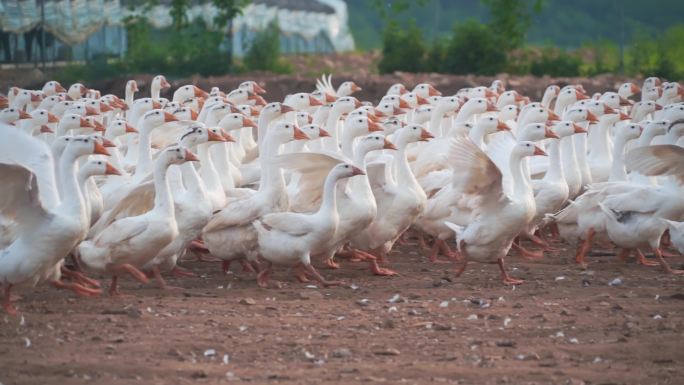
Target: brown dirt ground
[[563, 326]]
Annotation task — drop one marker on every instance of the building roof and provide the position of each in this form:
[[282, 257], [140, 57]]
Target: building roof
[[298, 5]]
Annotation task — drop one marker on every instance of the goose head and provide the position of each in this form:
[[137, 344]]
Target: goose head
[[49, 102], [397, 89], [23, 97], [565, 128], [390, 125], [396, 101], [653, 129], [629, 131], [189, 91], [283, 132], [303, 117], [643, 108], [119, 127], [274, 110], [131, 87], [155, 118], [348, 88], [652, 93], [97, 167], [551, 93], [52, 87], [323, 97], [651, 82], [423, 114], [673, 91], [425, 90], [198, 134], [235, 121], [580, 114], [674, 131], [569, 95], [613, 100], [674, 112], [345, 170], [481, 92], [10, 115], [302, 101], [77, 91], [240, 96], [176, 155], [498, 86], [143, 105], [536, 131], [73, 122], [219, 111], [412, 133], [314, 131], [80, 145], [490, 125], [357, 125], [509, 112], [185, 113], [526, 148], [389, 109], [252, 86], [97, 126], [159, 83], [249, 111], [346, 104], [475, 106], [373, 142], [509, 97], [628, 89], [539, 115]]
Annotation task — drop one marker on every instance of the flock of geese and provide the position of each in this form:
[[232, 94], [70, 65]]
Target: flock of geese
[[95, 184]]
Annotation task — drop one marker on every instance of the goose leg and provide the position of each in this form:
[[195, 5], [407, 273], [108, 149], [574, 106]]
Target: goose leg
[[7, 301], [330, 262], [312, 270], [124, 268], [464, 256], [79, 277], [433, 256], [527, 254], [178, 271], [200, 250], [582, 251], [624, 254], [507, 279], [247, 266], [446, 250], [114, 288], [160, 280], [641, 259], [300, 273], [76, 288], [263, 276], [664, 264], [225, 267], [553, 228], [402, 240]]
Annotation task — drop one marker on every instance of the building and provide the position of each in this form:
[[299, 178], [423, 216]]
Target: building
[[64, 30]]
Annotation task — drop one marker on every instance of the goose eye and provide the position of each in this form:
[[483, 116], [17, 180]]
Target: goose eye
[[178, 150], [86, 140], [479, 101], [528, 145], [42, 113]]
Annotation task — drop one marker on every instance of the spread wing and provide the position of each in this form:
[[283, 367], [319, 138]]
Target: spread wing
[[138, 201], [665, 159], [121, 231], [238, 212], [473, 171], [499, 151], [325, 85], [20, 197], [286, 222]]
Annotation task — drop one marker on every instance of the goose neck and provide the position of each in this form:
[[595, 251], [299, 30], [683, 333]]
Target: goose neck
[[555, 171], [617, 171], [163, 201]]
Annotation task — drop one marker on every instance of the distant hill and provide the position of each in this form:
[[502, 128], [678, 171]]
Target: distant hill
[[562, 23]]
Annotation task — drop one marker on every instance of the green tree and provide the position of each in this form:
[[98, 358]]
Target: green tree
[[402, 49], [474, 48], [179, 14], [511, 19]]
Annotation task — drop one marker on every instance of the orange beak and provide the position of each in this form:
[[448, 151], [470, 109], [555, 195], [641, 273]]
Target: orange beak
[[389, 145], [502, 126], [323, 133], [425, 135], [105, 108], [550, 134], [432, 91], [357, 103], [107, 143], [355, 88], [491, 107], [608, 110], [624, 116], [44, 129], [553, 116], [100, 149], [421, 100], [397, 111], [257, 88], [111, 170], [329, 98], [190, 157], [25, 115], [591, 117], [156, 105], [539, 151], [625, 102], [200, 93], [36, 97], [4, 102], [164, 83], [247, 122], [634, 88], [130, 129], [284, 108], [84, 90], [259, 100], [86, 124], [580, 96], [299, 134], [90, 111], [378, 113], [372, 126], [98, 126], [134, 86], [490, 94], [169, 117], [518, 97], [59, 88], [193, 114], [357, 171], [253, 111], [309, 119], [403, 104], [658, 107], [578, 129], [314, 102], [680, 91], [214, 137]]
